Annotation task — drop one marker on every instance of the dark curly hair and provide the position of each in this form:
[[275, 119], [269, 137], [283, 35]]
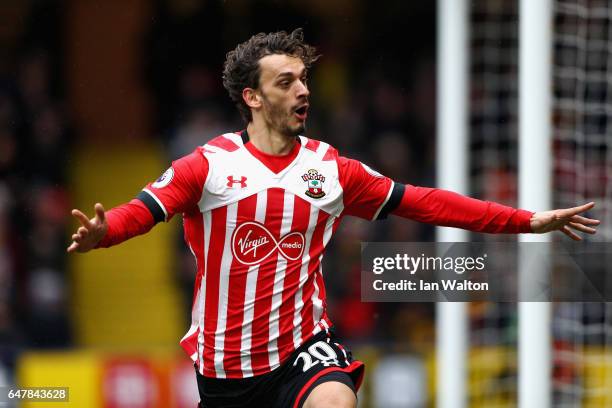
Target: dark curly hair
[[241, 69]]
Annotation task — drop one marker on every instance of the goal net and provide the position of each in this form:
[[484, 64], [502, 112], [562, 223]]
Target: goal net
[[582, 147], [493, 130], [582, 123]]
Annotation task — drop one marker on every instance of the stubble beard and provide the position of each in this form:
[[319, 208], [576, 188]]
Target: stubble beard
[[278, 119]]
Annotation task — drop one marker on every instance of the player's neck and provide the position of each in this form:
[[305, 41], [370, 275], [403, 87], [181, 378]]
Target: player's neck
[[269, 141]]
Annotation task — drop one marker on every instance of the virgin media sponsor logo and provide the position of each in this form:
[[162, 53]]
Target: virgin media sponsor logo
[[252, 243]]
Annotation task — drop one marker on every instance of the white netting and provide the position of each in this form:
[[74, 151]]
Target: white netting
[[582, 103], [582, 75], [583, 107], [493, 101], [493, 176]]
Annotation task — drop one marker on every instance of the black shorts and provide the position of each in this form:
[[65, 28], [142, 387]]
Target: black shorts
[[320, 359]]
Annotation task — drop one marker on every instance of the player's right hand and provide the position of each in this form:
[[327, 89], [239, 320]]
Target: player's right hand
[[90, 232]]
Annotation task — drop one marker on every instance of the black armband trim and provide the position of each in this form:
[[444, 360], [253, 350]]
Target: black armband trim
[[156, 211], [393, 201]]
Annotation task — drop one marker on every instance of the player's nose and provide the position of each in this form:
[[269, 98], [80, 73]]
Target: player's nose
[[302, 90]]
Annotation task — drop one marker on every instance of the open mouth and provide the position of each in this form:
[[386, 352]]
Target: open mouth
[[302, 112]]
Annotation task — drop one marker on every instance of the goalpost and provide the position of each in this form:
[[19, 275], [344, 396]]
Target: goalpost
[[452, 174], [535, 191]]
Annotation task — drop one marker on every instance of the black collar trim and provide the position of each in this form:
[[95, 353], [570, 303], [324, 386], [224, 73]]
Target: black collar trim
[[245, 137]]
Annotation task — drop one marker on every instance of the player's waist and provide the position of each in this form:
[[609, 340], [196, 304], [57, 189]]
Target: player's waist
[[236, 359]]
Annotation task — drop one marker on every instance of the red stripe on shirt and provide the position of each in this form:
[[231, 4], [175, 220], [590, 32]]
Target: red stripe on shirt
[[193, 225], [321, 285], [316, 246], [213, 270], [301, 212], [224, 143], [312, 145], [330, 154], [265, 286], [235, 300], [324, 315], [194, 237]]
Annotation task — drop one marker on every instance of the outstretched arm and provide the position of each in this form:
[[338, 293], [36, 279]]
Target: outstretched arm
[[445, 208], [370, 195], [176, 191], [111, 227]]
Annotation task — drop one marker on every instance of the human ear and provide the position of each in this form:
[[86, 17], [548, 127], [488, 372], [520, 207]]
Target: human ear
[[251, 97]]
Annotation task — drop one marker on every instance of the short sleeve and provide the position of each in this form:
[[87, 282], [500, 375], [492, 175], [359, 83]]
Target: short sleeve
[[178, 189], [366, 193]]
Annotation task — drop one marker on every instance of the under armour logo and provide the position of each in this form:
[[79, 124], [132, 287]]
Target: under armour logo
[[231, 181]]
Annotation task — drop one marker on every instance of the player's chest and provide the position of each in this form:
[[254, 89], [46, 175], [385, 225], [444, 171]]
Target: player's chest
[[301, 185]]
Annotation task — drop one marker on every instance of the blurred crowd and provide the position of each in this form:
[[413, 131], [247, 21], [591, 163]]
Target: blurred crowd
[[35, 142]]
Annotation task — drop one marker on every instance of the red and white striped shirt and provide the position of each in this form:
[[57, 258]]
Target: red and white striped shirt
[[258, 226]]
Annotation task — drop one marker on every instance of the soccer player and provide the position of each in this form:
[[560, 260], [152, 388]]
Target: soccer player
[[259, 207]]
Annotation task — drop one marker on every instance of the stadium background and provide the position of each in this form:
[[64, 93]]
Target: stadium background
[[97, 97]]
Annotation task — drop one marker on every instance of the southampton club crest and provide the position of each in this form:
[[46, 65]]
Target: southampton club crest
[[315, 183]]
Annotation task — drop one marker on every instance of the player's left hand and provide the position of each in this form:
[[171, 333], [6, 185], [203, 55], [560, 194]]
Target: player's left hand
[[91, 231], [565, 220]]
